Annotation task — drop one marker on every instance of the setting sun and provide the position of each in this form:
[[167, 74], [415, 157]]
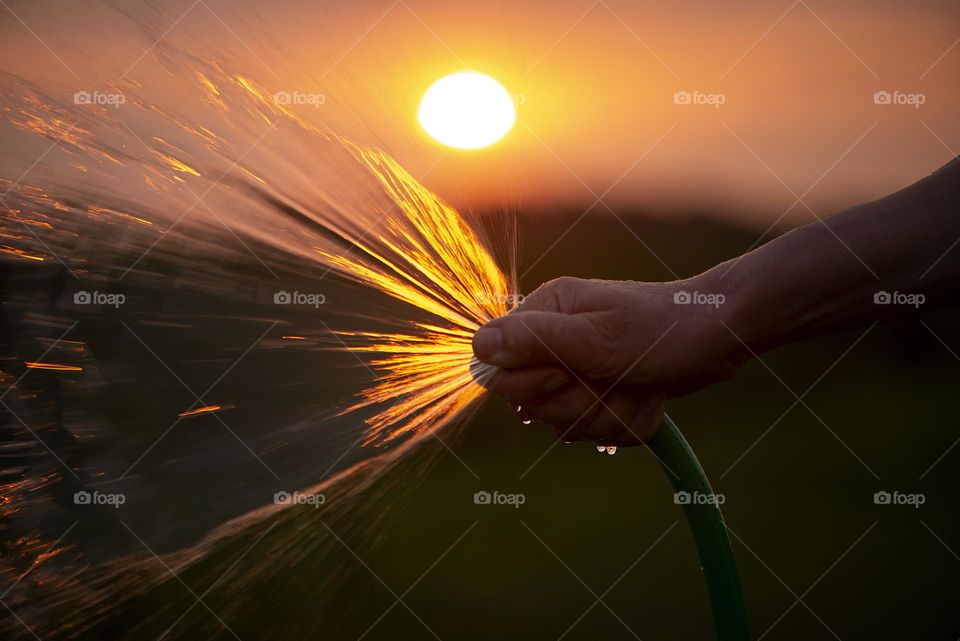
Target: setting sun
[[467, 110]]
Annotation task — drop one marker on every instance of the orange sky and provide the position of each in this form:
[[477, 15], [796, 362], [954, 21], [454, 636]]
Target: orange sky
[[595, 83]]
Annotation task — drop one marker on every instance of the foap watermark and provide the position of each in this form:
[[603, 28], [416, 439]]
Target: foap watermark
[[298, 298], [899, 498], [296, 498], [299, 98], [698, 498], [899, 98], [498, 498], [99, 99], [97, 497], [698, 298], [898, 298], [699, 98], [510, 300], [98, 298]]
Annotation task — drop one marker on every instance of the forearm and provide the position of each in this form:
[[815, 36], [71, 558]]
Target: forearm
[[827, 275]]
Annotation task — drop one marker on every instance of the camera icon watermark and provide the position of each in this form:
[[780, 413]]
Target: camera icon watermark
[[698, 298], [99, 98], [498, 498], [899, 498], [699, 98], [299, 98], [899, 98], [97, 497], [899, 298], [298, 298], [98, 298], [698, 498], [296, 498]]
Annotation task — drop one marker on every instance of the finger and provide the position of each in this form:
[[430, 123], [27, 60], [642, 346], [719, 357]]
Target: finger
[[623, 419], [527, 384], [568, 295], [530, 338], [628, 419], [607, 424], [646, 421], [570, 407]]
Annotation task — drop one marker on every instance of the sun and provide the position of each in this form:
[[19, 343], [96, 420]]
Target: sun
[[467, 110]]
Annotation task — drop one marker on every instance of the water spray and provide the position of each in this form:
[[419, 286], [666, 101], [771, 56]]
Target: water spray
[[368, 223]]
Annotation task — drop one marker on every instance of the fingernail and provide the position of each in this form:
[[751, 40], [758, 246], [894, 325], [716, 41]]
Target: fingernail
[[487, 341], [554, 383]]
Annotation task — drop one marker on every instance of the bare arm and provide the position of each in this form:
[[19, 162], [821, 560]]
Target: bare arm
[[597, 359], [890, 258]]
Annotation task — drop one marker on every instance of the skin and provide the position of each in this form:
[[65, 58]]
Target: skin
[[598, 359]]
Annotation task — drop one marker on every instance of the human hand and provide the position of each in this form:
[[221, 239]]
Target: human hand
[[598, 359]]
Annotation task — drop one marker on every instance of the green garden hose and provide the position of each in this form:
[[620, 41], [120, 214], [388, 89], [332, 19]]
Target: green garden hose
[[708, 529]]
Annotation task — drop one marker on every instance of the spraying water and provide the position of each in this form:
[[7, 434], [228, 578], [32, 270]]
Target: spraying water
[[189, 195], [184, 249]]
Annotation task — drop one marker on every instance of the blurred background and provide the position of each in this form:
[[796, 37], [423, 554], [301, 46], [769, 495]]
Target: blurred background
[[795, 110]]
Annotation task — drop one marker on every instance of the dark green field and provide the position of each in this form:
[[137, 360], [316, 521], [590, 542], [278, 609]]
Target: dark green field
[[583, 557]]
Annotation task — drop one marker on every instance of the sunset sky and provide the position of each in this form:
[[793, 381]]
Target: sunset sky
[[258, 280], [594, 83]]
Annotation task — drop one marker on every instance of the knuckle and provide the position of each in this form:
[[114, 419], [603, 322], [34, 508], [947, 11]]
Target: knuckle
[[557, 295], [519, 336], [597, 353], [564, 290], [566, 283]]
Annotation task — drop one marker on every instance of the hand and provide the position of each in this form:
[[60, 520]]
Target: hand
[[598, 359]]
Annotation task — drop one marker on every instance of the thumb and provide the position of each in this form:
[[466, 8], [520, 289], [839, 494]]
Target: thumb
[[522, 339]]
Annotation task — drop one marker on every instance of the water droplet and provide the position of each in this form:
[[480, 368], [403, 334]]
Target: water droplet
[[611, 450], [601, 448], [524, 417]]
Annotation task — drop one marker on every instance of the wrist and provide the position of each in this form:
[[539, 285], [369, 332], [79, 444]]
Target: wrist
[[731, 328]]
